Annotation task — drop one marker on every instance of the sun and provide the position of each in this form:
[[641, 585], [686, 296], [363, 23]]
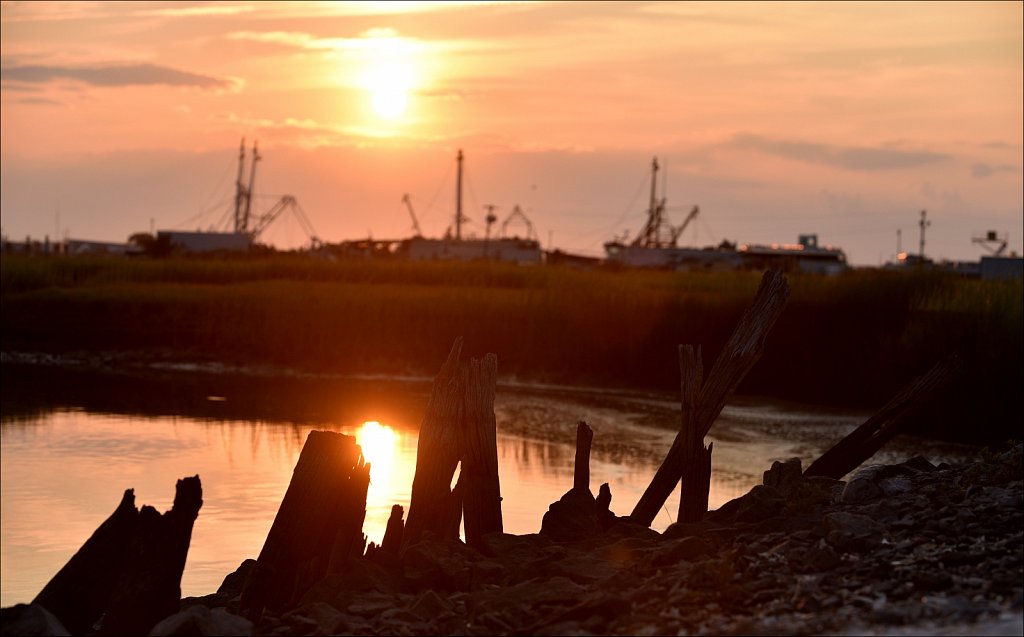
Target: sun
[[390, 73], [389, 84]]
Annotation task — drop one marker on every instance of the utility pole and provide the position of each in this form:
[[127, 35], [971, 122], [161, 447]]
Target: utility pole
[[899, 241], [924, 223], [491, 218]]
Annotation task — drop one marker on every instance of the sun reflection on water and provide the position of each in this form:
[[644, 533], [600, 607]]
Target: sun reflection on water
[[387, 450]]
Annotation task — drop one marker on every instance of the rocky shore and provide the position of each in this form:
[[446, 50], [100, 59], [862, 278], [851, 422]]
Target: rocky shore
[[911, 548]]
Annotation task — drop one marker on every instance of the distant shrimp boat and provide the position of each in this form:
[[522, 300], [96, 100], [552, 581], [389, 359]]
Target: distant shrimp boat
[[453, 247], [804, 256], [656, 246]]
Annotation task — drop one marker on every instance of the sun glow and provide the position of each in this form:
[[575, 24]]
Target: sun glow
[[378, 443], [390, 73], [389, 85]]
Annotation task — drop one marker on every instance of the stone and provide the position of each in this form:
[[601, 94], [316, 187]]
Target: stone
[[760, 503], [783, 475], [852, 531], [863, 486], [573, 517], [30, 620], [199, 620]]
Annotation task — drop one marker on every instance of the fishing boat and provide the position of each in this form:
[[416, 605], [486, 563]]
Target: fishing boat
[[657, 243], [453, 246]]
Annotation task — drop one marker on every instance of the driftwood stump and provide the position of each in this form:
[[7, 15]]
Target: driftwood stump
[[318, 525], [458, 427], [481, 497], [129, 571], [581, 469], [149, 588], [864, 441], [734, 362], [696, 475]]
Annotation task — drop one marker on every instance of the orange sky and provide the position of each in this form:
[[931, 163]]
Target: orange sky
[[844, 119]]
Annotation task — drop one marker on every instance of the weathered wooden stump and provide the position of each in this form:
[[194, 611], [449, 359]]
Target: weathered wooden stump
[[392, 541], [458, 427], [149, 588], [696, 476], [80, 591], [317, 527], [894, 417], [581, 468], [129, 571], [738, 357]]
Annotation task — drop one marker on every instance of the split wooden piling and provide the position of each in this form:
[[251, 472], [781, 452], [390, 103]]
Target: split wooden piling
[[129, 571], [894, 417], [317, 527], [738, 357], [457, 428]]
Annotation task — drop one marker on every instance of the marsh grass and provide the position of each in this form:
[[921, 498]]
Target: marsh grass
[[852, 340]]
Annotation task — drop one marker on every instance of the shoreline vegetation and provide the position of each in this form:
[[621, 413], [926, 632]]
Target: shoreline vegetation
[[846, 341]]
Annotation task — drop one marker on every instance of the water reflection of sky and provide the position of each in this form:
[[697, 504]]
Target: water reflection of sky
[[63, 472]]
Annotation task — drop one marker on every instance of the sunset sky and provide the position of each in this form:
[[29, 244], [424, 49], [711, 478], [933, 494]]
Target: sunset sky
[[841, 119]]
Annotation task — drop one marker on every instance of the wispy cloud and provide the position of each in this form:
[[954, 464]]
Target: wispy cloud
[[370, 39], [42, 101], [202, 11], [860, 158], [982, 170], [113, 75]]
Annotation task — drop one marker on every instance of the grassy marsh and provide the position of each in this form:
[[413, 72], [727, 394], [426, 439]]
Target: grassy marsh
[[851, 340]]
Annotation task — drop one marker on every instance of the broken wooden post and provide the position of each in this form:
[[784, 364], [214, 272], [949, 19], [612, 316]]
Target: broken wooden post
[[129, 570], [149, 587], [325, 504], [581, 471], [864, 441], [437, 456], [736, 359], [392, 541], [349, 541], [696, 460], [481, 496], [80, 591], [458, 426]]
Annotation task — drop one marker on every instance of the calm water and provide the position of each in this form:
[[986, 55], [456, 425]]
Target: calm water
[[68, 453]]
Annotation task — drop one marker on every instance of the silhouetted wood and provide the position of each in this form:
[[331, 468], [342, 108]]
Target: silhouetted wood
[[320, 516], [149, 586], [129, 571], [458, 426], [392, 541], [349, 541], [481, 495], [80, 591], [736, 359], [581, 471], [602, 504], [864, 441], [696, 475], [437, 456]]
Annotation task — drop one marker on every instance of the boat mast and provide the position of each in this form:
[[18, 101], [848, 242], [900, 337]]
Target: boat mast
[[648, 236], [239, 188], [458, 197], [655, 222], [248, 193]]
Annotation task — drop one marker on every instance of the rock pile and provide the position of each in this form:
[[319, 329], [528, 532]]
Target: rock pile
[[899, 549]]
